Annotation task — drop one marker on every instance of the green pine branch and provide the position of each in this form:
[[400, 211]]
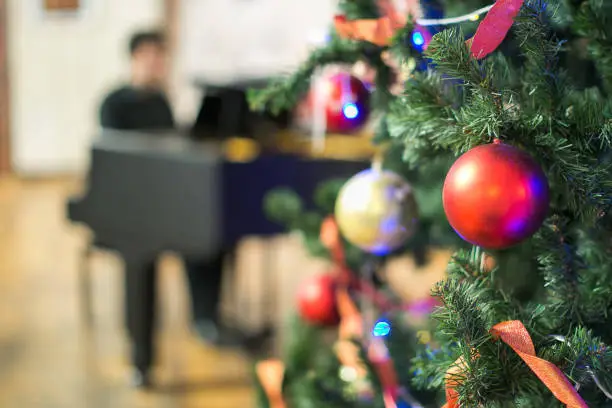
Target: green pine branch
[[593, 22], [357, 9]]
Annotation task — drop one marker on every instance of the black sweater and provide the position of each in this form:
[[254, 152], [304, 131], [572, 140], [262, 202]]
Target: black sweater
[[129, 108]]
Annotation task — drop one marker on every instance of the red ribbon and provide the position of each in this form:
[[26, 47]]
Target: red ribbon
[[494, 27]]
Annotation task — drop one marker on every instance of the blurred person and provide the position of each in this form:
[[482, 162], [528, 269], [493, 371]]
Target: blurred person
[[142, 105]]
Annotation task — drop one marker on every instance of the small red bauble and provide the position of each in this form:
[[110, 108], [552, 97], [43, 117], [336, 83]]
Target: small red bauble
[[495, 196], [317, 300], [345, 100]]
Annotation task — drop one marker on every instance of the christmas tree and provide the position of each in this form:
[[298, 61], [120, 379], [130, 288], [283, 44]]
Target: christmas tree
[[523, 106]]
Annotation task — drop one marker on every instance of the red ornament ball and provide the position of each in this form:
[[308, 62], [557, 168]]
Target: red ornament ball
[[345, 99], [495, 196], [317, 300]]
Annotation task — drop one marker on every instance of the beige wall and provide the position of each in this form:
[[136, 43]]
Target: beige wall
[[59, 68]]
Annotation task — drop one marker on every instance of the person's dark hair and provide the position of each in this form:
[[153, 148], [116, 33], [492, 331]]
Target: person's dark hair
[[146, 37]]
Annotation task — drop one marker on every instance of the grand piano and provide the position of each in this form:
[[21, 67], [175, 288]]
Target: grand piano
[[147, 193]]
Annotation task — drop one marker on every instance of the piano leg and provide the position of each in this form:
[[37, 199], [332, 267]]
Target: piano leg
[[140, 293], [85, 283]]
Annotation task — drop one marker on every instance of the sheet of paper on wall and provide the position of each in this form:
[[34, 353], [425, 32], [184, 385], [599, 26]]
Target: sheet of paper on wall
[[61, 10], [61, 5], [90, 17], [223, 41]]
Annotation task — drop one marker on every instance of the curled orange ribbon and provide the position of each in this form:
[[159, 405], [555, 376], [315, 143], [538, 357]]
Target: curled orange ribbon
[[515, 335], [270, 374], [376, 31]]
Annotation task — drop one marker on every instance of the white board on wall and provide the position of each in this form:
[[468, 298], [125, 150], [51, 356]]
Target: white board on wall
[[236, 39]]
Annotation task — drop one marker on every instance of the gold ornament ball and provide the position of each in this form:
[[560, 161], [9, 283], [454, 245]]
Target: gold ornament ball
[[376, 211]]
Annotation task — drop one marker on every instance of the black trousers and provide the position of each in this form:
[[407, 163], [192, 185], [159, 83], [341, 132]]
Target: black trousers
[[205, 277]]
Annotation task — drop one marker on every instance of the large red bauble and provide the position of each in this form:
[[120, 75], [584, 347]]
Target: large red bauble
[[345, 100], [495, 196], [317, 300]]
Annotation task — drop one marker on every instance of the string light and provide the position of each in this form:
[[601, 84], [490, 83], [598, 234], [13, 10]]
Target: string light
[[473, 16], [381, 329], [417, 38]]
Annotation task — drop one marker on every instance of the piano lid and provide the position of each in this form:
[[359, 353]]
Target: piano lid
[[212, 86], [164, 143], [225, 112]]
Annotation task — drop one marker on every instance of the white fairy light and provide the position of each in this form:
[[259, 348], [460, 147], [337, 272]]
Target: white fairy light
[[473, 16]]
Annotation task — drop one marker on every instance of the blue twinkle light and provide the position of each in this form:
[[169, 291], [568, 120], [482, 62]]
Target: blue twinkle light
[[350, 111], [417, 38], [381, 329]]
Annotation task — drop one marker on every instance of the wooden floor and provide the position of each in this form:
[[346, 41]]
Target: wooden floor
[[48, 359]]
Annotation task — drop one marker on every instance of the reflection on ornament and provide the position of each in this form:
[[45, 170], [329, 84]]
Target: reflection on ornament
[[495, 196], [350, 110], [376, 211]]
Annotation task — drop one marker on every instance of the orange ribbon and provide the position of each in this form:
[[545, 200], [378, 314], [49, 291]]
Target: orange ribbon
[[515, 335], [351, 323], [350, 327], [376, 31], [330, 238], [270, 374]]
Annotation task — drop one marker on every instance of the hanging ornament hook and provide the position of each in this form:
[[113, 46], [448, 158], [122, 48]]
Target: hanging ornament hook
[[589, 370]]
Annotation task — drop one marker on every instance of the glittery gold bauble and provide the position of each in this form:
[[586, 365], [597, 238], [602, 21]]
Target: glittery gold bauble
[[376, 211]]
